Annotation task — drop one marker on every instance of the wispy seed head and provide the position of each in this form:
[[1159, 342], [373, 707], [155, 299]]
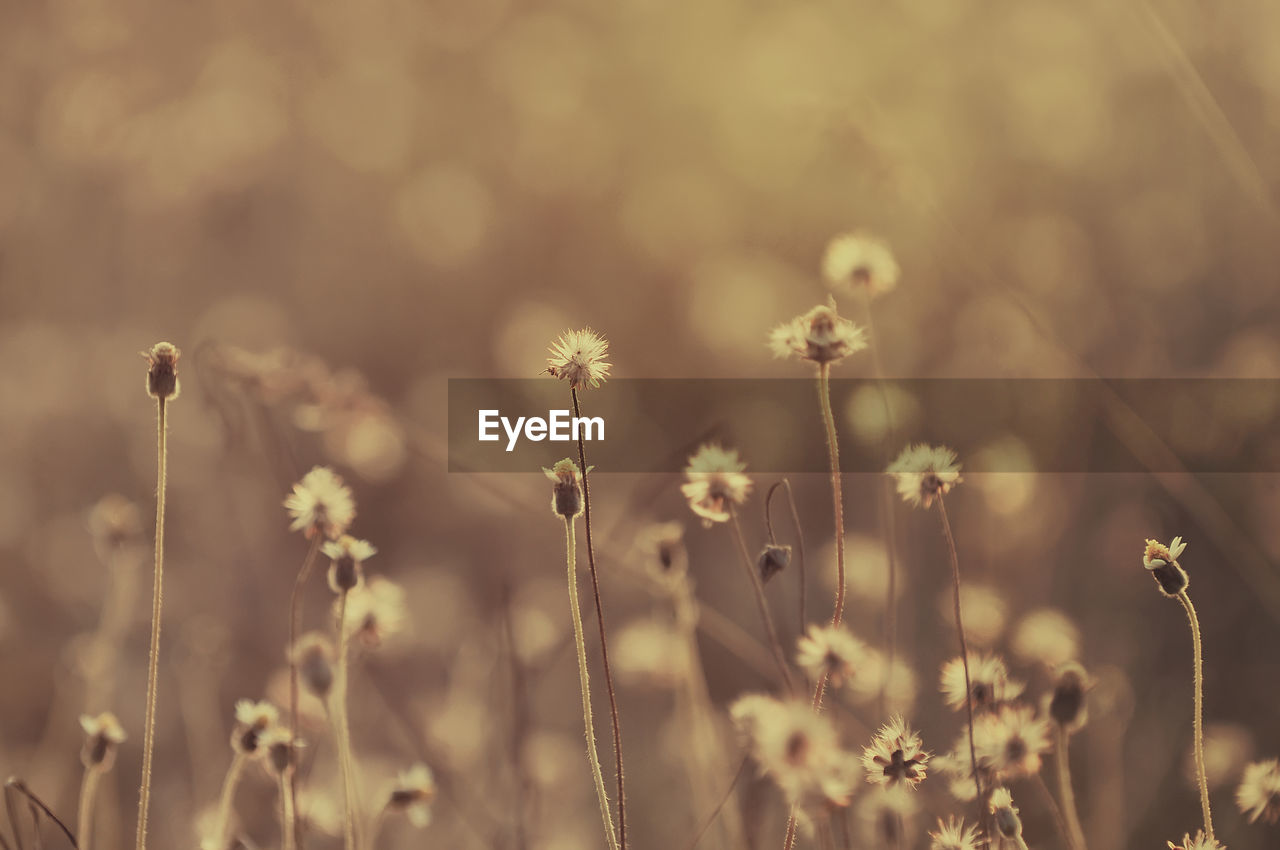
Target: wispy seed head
[[579, 358], [924, 473], [321, 504], [715, 482], [1259, 793], [162, 371]]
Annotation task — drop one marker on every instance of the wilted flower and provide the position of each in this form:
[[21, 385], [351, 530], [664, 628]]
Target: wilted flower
[[1199, 842], [989, 682], [1012, 742], [820, 336], [376, 611], [252, 720], [859, 261], [103, 735], [1259, 793], [566, 489], [314, 656], [923, 473], [1066, 704], [321, 503], [413, 793], [895, 756], [715, 481], [1162, 562], [162, 371], [954, 835], [347, 556], [579, 358], [772, 560], [833, 652]]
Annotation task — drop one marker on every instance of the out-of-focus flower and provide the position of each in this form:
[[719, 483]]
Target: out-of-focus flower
[[347, 555], [989, 682], [314, 656], [1259, 793], [321, 504], [1162, 562], [797, 748], [278, 744], [886, 817], [1048, 636], [651, 653], [833, 652], [115, 522], [895, 756], [1012, 741], [820, 336], [413, 793], [857, 260], [376, 611], [103, 735], [954, 835], [1066, 703], [923, 473], [662, 545], [715, 481], [579, 358], [1008, 824], [252, 720], [985, 612]]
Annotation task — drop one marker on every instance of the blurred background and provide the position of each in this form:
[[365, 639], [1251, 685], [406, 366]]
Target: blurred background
[[332, 207]]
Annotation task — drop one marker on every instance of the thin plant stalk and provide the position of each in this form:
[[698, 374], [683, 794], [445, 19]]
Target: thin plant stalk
[[84, 817], [1198, 650], [964, 646], [571, 562], [288, 835], [222, 827], [295, 625], [153, 657], [1055, 810], [614, 720], [837, 493], [795, 521], [1075, 831], [342, 730], [375, 831], [761, 602]]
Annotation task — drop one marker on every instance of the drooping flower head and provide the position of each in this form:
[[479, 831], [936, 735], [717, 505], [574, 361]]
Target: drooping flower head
[[1198, 842], [859, 261], [321, 504], [566, 489], [412, 795], [579, 358], [923, 473], [954, 835], [162, 371], [347, 556], [832, 651], [820, 336], [1162, 562], [715, 481], [1259, 793], [989, 682], [895, 756], [103, 735]]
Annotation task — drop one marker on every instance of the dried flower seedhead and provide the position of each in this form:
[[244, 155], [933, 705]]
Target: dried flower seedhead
[[347, 556], [115, 522], [819, 336], [1259, 793], [924, 473], [895, 756], [252, 720], [321, 504], [1066, 704], [1008, 824], [1162, 562], [566, 489], [376, 612], [834, 652], [1199, 842], [954, 835], [579, 358], [103, 735], [772, 560], [715, 481], [856, 261], [413, 793], [277, 743], [315, 657], [1012, 742], [989, 682], [162, 371]]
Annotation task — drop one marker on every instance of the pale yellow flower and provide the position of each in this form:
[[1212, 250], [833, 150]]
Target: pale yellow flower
[[1259, 793], [715, 482], [321, 504], [923, 473], [579, 358], [859, 261], [895, 756], [820, 336]]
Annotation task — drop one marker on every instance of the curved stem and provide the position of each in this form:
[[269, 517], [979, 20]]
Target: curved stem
[[295, 618], [153, 657], [795, 521], [1075, 831], [342, 730], [1198, 651], [227, 798], [614, 719], [84, 818], [580, 642], [837, 493], [761, 602], [964, 647]]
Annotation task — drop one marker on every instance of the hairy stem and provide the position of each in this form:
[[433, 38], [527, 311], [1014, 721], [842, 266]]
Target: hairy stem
[[837, 492], [84, 817], [964, 646], [1075, 831], [342, 730], [226, 800], [779, 656], [153, 657], [1198, 651], [295, 625], [571, 561]]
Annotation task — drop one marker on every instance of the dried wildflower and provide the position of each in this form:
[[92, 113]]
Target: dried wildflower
[[1199, 842], [321, 504], [716, 480], [579, 358], [413, 793], [103, 735], [820, 336], [1162, 562], [1066, 704], [954, 835], [895, 756], [347, 556], [115, 522], [924, 473], [1008, 824], [1259, 793], [314, 656], [989, 682], [1012, 742], [162, 371], [662, 544], [566, 490], [252, 720], [833, 652], [859, 261], [797, 749], [278, 744], [376, 611], [772, 560]]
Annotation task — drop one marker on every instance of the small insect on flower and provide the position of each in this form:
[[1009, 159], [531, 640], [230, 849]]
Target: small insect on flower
[[954, 835], [1162, 562], [895, 756], [579, 358], [859, 261], [412, 795], [103, 735], [376, 612], [566, 490], [1259, 793], [831, 651], [321, 504], [820, 336], [347, 556], [989, 682], [314, 656], [1199, 842], [1066, 703], [715, 481], [923, 473], [162, 371], [1012, 742], [252, 720]]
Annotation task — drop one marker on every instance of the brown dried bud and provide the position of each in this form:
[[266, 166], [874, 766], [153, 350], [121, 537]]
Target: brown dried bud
[[1067, 702], [566, 491], [772, 560], [162, 371]]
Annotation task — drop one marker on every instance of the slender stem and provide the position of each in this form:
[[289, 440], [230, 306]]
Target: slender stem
[[614, 719], [1199, 716], [153, 657], [84, 818], [375, 831], [295, 625], [1052, 805], [715, 812], [222, 827], [761, 602], [580, 642], [837, 493], [964, 646], [288, 835], [342, 730], [1066, 792], [795, 521], [790, 840]]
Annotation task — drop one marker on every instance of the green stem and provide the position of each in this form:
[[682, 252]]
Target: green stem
[[571, 561], [84, 818], [153, 657], [227, 798], [1067, 793], [1198, 651]]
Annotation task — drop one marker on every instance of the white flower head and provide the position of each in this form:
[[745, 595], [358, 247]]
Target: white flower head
[[895, 756], [820, 336], [859, 261], [924, 473], [103, 735], [579, 358], [376, 612], [1259, 793], [989, 682], [413, 793], [715, 482], [321, 504], [832, 651]]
